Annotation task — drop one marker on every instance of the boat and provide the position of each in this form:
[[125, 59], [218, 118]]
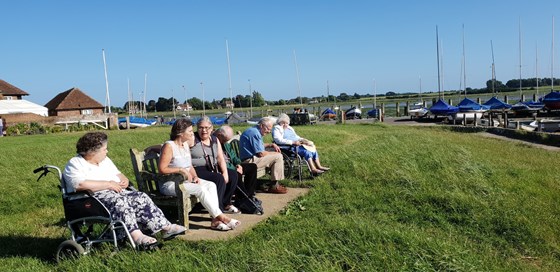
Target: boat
[[440, 108], [353, 113], [328, 114], [374, 113], [551, 100], [136, 122], [496, 104], [469, 110], [418, 110], [527, 107]]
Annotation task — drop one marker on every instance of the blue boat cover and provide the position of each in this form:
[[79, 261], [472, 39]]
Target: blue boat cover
[[328, 111], [467, 105], [373, 113], [138, 120], [496, 104], [442, 108], [551, 97]]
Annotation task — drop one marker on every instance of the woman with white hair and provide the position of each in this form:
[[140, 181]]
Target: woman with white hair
[[284, 134]]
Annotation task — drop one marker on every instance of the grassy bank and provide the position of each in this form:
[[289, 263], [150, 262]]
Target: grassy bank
[[397, 198]]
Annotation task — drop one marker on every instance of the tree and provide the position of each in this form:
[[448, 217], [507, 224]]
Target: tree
[[258, 99], [195, 103]]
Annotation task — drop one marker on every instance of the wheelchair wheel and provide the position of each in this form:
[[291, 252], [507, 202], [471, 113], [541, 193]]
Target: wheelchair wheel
[[69, 249], [288, 166]]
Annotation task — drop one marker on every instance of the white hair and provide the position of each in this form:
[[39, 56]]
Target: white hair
[[283, 118]]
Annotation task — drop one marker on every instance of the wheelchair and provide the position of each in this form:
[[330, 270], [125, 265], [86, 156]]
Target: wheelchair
[[89, 221], [295, 167]]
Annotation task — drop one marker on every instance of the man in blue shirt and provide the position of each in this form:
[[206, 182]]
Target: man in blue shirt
[[252, 149]]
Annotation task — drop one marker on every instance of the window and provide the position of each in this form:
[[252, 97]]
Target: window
[[87, 112]]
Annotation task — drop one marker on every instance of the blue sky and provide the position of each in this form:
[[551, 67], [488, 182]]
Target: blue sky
[[48, 47]]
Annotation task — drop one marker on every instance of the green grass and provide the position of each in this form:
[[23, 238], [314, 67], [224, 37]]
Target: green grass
[[397, 198]]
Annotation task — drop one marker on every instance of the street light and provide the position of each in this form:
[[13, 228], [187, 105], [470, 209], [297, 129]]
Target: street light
[[203, 106], [250, 99]]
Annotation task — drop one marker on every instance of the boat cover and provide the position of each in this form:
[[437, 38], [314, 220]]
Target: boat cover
[[496, 104], [467, 105], [442, 108]]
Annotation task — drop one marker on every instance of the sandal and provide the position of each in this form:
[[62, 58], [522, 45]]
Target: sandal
[[233, 223], [220, 226], [172, 231], [232, 210], [146, 242]]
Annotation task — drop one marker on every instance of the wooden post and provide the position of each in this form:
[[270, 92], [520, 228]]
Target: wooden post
[[506, 122], [450, 101], [127, 122], [475, 118], [478, 101], [535, 97], [522, 97], [464, 119], [398, 109], [517, 125], [407, 109], [506, 99], [382, 109]]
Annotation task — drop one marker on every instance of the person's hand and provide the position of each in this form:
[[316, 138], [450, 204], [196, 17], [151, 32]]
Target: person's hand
[[276, 148], [297, 143], [123, 183], [226, 177], [195, 180], [114, 186], [239, 169]]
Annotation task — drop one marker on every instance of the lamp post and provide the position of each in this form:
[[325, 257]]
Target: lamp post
[[250, 99], [186, 101], [203, 106]]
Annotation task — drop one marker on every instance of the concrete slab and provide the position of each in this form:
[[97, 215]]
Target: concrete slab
[[199, 227]]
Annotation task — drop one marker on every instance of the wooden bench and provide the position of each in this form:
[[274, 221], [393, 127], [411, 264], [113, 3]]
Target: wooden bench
[[145, 165], [235, 145]]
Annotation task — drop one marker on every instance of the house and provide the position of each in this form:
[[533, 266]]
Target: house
[[10, 92], [184, 107], [228, 104], [73, 102], [12, 103]]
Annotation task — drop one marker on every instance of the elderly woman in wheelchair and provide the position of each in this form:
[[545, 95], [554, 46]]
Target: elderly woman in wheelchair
[[91, 170], [285, 136]]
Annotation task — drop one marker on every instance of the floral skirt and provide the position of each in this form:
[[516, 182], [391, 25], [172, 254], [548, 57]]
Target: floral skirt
[[135, 209]]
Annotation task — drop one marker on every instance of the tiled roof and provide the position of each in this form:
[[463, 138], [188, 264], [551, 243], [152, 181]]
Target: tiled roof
[[9, 89], [73, 99]]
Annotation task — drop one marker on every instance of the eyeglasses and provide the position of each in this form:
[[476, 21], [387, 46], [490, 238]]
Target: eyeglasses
[[205, 128]]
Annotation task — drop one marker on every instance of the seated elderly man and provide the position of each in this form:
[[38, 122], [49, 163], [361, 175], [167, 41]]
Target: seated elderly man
[[252, 150], [248, 170], [284, 134]]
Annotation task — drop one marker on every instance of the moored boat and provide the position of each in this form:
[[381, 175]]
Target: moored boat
[[353, 113]]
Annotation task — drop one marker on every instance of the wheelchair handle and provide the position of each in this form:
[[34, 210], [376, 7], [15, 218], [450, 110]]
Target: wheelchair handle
[[38, 169]]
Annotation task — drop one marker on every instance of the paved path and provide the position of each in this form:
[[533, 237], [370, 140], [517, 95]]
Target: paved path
[[272, 204]]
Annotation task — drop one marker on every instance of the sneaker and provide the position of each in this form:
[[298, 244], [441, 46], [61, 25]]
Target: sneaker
[[277, 189]]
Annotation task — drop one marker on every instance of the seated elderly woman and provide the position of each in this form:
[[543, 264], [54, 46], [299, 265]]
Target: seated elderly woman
[[176, 158], [284, 134], [91, 170], [209, 162]]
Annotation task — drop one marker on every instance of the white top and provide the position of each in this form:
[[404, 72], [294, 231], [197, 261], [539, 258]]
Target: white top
[[181, 155], [278, 135], [78, 170]]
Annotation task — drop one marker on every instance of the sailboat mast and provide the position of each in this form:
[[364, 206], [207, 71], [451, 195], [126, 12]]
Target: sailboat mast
[[297, 75], [173, 101], [493, 69], [203, 103], [144, 111], [464, 68], [107, 99], [229, 76], [374, 94], [520, 63], [438, 63], [537, 67], [552, 62]]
